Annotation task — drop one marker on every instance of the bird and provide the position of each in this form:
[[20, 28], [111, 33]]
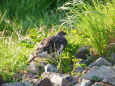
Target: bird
[[51, 46]]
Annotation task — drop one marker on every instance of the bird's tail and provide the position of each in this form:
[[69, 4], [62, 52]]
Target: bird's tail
[[32, 59]]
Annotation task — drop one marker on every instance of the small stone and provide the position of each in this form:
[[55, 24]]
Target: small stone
[[99, 62], [86, 83], [18, 84], [45, 82], [50, 68]]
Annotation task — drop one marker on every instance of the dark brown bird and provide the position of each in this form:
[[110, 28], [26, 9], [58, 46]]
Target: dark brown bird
[[51, 46]]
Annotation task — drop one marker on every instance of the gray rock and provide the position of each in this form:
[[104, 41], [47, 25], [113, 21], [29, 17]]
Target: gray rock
[[45, 82], [86, 83], [78, 84], [79, 70], [72, 79], [97, 84], [114, 67], [18, 84], [83, 52], [35, 68], [50, 68], [101, 84], [113, 58], [101, 72], [109, 80], [57, 79], [99, 62]]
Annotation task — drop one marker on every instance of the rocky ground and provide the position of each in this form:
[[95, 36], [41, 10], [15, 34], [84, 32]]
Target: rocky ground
[[98, 73]]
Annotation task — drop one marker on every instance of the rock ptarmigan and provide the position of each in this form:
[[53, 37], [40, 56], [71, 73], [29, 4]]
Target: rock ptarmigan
[[51, 46]]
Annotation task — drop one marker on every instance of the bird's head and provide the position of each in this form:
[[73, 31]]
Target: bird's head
[[61, 33]]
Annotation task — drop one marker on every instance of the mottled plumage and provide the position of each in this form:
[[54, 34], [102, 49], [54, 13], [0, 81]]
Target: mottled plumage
[[51, 46]]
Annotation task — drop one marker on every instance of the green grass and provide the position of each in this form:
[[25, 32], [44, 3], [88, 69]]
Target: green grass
[[93, 23], [22, 15], [12, 58]]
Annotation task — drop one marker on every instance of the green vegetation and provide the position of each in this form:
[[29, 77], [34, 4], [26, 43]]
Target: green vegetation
[[23, 24]]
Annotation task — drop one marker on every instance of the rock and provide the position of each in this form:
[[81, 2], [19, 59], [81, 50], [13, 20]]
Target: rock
[[109, 80], [34, 68], [78, 84], [82, 53], [101, 72], [114, 67], [113, 58], [50, 68], [96, 84], [79, 70], [26, 76], [72, 79], [29, 77], [45, 82], [18, 84], [99, 62], [101, 84], [31, 80], [58, 79], [86, 83]]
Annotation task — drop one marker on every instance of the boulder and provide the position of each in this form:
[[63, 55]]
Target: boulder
[[45, 82], [50, 68], [86, 83], [102, 72], [101, 84], [99, 62], [34, 68], [18, 84], [109, 80], [57, 79]]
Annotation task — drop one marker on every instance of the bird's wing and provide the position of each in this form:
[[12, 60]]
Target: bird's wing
[[45, 45], [59, 41]]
